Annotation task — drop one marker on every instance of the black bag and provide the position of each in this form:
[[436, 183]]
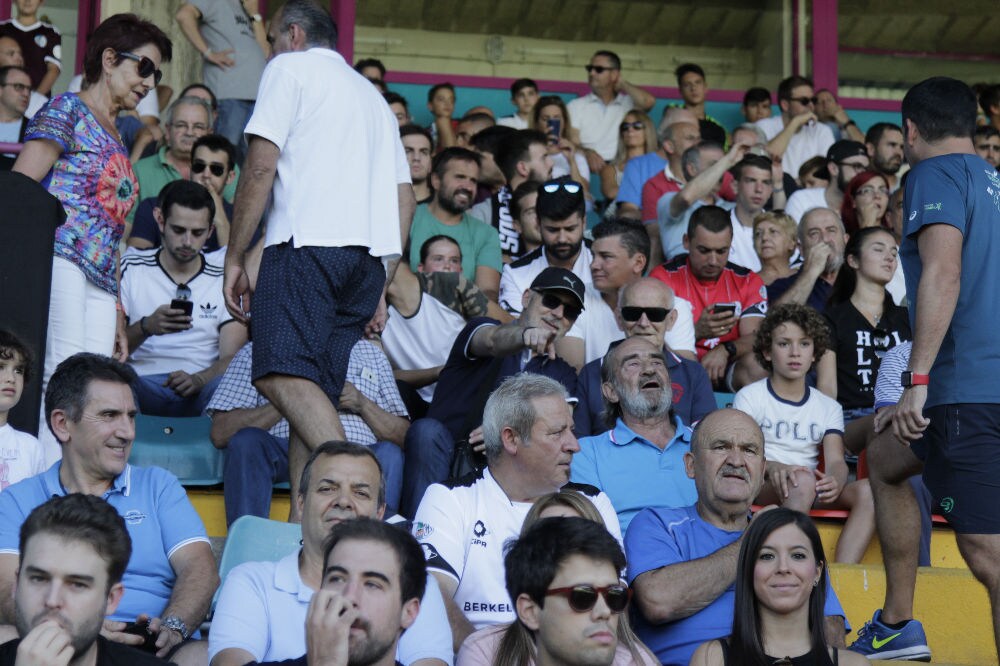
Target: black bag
[[464, 460]]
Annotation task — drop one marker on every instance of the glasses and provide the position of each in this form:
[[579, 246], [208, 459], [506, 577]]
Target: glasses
[[636, 125], [146, 68], [554, 186], [551, 301], [582, 598], [183, 292], [597, 69], [634, 313], [199, 165], [804, 101], [872, 191], [185, 127], [18, 87]]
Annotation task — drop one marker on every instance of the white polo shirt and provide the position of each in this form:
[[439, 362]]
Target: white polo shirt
[[341, 158], [518, 275], [741, 252], [808, 142], [805, 200], [598, 122]]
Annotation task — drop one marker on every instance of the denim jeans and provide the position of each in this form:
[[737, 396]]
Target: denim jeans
[[429, 448], [233, 117], [155, 399]]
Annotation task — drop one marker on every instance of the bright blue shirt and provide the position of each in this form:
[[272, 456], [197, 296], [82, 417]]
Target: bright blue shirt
[[637, 171], [661, 537], [962, 191], [634, 472], [159, 517]]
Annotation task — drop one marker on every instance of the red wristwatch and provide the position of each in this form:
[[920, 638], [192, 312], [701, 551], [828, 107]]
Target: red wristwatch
[[908, 379]]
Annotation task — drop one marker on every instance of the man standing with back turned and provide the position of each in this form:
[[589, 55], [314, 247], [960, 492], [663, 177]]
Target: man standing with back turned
[[320, 275]]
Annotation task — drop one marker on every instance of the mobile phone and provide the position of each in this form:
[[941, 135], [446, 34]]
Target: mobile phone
[[182, 304], [142, 629], [554, 127], [728, 308]]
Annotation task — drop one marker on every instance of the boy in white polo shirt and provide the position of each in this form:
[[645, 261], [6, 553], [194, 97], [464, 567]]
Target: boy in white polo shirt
[[20, 453]]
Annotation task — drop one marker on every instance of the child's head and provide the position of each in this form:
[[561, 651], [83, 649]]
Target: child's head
[[790, 321], [15, 368]]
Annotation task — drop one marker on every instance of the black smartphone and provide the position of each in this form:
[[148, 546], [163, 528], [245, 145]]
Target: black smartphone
[[142, 629], [728, 308], [554, 129], [182, 304]]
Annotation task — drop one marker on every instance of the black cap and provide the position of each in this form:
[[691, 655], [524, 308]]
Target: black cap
[[839, 152], [556, 200], [554, 278]]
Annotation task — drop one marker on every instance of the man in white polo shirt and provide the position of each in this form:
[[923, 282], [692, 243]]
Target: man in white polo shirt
[[335, 226]]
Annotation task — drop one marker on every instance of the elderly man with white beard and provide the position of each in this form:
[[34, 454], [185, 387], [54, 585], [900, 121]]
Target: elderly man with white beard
[[639, 462]]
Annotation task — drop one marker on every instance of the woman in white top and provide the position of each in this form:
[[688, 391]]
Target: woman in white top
[[551, 117]]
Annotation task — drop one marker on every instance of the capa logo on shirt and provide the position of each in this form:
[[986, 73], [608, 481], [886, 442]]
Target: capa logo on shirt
[[479, 531]]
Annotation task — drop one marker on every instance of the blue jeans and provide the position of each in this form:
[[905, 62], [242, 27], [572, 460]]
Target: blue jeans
[[429, 449], [256, 460], [155, 399], [233, 117]]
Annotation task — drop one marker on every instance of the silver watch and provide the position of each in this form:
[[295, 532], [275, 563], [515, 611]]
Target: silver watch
[[177, 624]]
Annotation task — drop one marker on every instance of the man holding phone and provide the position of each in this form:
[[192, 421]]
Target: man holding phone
[[179, 350]]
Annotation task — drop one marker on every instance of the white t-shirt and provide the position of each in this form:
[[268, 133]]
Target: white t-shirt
[[462, 530], [741, 252], [793, 431], [518, 275], [560, 166], [803, 201], [145, 286], [808, 142], [513, 121], [598, 122], [341, 158], [21, 456]]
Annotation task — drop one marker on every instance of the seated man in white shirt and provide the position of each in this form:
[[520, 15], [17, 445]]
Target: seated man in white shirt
[[796, 134], [180, 333]]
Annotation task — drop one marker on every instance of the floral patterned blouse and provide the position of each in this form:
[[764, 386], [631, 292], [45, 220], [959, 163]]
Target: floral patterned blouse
[[94, 181]]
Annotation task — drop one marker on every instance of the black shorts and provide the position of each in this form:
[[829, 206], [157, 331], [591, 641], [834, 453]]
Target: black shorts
[[961, 454], [310, 308]]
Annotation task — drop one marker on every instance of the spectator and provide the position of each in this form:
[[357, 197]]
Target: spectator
[[560, 212], [884, 143], [15, 92], [551, 117], [866, 200], [797, 421], [233, 46], [809, 173], [11, 56], [400, 108], [441, 104], [171, 577], [524, 215], [640, 169], [831, 114], [483, 354], [89, 172], [682, 562], [179, 354], [727, 303], [453, 178], [524, 95], [599, 112], [676, 139], [40, 42], [756, 104], [795, 135], [693, 88], [636, 137], [775, 243], [471, 124], [822, 239], [23, 455], [639, 461], [418, 146], [370, 68], [262, 608], [987, 143], [491, 195], [528, 434], [989, 102], [757, 177], [844, 160]]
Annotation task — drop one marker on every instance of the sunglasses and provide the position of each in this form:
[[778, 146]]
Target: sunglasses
[[634, 313], [183, 292], [199, 165], [597, 69], [551, 301], [146, 66], [636, 125], [582, 598], [570, 186], [804, 101]]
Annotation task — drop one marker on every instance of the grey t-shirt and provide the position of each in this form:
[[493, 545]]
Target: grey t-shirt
[[225, 25]]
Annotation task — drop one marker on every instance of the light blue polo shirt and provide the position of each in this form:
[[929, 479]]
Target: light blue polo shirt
[[159, 517], [634, 472]]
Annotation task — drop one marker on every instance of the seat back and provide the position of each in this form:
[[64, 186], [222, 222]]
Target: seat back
[[181, 446]]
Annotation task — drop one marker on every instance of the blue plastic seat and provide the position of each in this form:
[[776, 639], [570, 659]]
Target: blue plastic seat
[[179, 445], [253, 539], [723, 400]]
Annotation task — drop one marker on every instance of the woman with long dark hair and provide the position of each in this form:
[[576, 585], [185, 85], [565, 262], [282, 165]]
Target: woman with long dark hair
[[780, 591]]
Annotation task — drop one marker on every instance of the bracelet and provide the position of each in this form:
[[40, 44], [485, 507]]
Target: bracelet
[[776, 190], [848, 124], [142, 327], [207, 52]]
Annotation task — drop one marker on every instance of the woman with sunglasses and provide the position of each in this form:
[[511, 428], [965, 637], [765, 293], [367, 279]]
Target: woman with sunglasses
[[865, 323], [73, 149], [636, 136], [551, 117], [781, 580]]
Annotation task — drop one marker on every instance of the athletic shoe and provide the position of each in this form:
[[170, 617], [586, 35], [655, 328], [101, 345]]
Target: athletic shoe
[[877, 641]]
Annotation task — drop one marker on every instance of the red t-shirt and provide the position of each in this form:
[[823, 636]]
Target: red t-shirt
[[658, 185]]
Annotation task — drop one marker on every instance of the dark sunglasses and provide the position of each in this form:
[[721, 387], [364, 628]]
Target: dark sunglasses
[[146, 66], [634, 313], [570, 186], [598, 69], [551, 301], [183, 292], [804, 101], [582, 598], [636, 125], [199, 165]]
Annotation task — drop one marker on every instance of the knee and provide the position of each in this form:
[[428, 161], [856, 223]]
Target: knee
[[246, 443], [801, 496], [426, 436]]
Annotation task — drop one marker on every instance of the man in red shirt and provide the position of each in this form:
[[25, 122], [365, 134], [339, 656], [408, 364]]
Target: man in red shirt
[[728, 301]]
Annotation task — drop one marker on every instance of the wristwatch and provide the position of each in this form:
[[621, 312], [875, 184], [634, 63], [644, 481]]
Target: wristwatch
[[848, 124], [257, 18], [177, 624], [908, 379], [730, 348]]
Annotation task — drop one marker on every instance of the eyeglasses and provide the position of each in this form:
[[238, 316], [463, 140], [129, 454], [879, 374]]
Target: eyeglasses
[[636, 125], [871, 191], [634, 313], [551, 301], [804, 101], [582, 598], [18, 87], [554, 186], [146, 68], [597, 69], [185, 127], [217, 169]]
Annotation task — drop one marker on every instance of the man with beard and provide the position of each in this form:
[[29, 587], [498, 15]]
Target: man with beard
[[560, 209], [884, 143], [74, 550], [640, 462], [822, 238], [454, 176], [987, 142], [844, 161]]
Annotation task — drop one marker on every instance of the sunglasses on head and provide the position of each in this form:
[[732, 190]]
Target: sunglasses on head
[[146, 68], [636, 125], [804, 101], [551, 301], [582, 598], [570, 186], [598, 69], [634, 313], [198, 166]]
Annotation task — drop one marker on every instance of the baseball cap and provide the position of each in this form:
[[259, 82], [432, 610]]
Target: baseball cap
[[554, 278], [839, 152]]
